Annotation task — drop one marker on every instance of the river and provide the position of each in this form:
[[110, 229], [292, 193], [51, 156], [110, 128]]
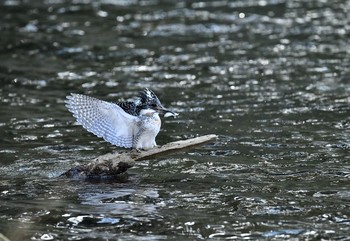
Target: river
[[269, 77]]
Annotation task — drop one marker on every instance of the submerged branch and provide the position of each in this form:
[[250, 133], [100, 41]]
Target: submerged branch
[[115, 165]]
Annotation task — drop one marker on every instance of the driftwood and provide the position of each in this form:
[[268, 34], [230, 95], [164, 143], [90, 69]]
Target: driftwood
[[115, 165], [3, 237]]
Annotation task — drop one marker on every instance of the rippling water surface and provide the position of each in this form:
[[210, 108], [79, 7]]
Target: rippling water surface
[[270, 77]]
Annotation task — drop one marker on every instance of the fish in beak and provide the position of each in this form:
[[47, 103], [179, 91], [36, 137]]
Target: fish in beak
[[167, 113]]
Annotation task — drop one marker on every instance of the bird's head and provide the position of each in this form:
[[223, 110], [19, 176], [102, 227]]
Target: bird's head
[[149, 100]]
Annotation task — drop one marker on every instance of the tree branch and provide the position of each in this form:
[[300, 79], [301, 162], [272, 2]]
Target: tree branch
[[115, 165]]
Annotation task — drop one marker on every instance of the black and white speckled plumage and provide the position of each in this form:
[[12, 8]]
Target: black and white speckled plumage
[[126, 124], [146, 99]]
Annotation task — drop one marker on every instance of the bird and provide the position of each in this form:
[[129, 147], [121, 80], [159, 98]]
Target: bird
[[129, 124]]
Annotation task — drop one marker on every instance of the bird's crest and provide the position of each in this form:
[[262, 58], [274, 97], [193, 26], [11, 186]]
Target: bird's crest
[[148, 97]]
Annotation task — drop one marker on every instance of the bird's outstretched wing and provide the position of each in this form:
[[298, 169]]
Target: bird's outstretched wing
[[104, 119]]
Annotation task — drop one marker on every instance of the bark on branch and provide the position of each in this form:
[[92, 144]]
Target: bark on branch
[[115, 165]]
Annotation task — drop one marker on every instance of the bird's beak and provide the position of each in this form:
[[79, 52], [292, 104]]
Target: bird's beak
[[166, 112], [169, 113]]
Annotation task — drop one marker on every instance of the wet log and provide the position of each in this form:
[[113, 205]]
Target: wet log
[[115, 165]]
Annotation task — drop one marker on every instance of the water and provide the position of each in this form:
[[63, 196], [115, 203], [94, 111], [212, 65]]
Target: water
[[271, 78]]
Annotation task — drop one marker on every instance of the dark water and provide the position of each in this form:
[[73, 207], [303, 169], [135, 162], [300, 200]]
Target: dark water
[[270, 77]]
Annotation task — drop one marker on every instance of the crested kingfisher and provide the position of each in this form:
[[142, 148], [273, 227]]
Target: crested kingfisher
[[129, 124]]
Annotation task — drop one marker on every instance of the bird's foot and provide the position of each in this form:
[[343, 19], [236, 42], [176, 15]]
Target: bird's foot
[[137, 150]]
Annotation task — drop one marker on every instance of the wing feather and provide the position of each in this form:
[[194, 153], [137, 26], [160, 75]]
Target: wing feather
[[104, 119]]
